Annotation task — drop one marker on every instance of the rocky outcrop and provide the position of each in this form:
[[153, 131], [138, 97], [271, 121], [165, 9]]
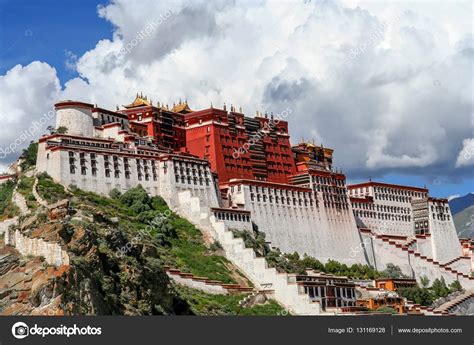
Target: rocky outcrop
[[28, 286], [94, 282]]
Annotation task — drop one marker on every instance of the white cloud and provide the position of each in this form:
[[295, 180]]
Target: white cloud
[[466, 155], [402, 102], [451, 197], [28, 93]]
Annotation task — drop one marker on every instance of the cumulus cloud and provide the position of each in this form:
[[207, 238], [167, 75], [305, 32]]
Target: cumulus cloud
[[466, 155], [390, 90], [27, 95]]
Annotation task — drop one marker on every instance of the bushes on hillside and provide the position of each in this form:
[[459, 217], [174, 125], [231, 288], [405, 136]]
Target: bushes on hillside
[[137, 199], [7, 208], [294, 263], [427, 295]]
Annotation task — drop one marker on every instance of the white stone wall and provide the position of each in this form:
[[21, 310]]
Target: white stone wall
[[398, 207], [367, 248], [52, 252], [231, 219], [77, 120], [444, 239], [255, 268], [6, 224], [325, 233], [463, 264], [57, 165], [413, 265], [424, 246]]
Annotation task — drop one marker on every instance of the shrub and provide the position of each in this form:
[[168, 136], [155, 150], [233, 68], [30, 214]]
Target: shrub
[[29, 156], [393, 271], [388, 310], [115, 193], [137, 199], [455, 286]]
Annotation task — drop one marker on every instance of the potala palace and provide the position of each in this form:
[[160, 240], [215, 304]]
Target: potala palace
[[223, 170]]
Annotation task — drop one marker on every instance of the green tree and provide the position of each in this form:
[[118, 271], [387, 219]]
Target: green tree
[[439, 288], [61, 130], [424, 281], [137, 199], [418, 295], [115, 193], [455, 286], [29, 156], [393, 271]]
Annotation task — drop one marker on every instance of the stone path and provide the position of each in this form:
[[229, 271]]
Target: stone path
[[38, 198], [455, 301]]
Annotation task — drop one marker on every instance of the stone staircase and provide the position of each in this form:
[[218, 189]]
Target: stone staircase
[[413, 257], [52, 252], [410, 241], [205, 284], [446, 307], [418, 308], [35, 193], [466, 260], [20, 202], [256, 268]]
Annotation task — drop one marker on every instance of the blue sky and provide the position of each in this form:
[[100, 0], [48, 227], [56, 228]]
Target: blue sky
[[46, 30], [213, 61]]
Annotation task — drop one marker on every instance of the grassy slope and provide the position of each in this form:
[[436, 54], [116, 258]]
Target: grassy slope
[[7, 208], [186, 251], [207, 304]]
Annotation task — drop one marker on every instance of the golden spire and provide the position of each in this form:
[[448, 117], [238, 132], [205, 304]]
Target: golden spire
[[139, 101]]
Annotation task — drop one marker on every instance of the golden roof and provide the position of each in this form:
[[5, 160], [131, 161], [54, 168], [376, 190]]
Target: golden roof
[[181, 108], [140, 101]]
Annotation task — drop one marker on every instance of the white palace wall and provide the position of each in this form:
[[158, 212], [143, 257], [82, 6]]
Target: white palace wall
[[166, 183], [308, 229], [445, 241]]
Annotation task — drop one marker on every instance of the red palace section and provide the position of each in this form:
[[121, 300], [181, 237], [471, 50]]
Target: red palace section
[[237, 146]]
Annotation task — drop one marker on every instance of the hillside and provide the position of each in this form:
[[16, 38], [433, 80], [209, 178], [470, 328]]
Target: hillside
[[462, 209], [117, 248], [464, 222], [461, 203]]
